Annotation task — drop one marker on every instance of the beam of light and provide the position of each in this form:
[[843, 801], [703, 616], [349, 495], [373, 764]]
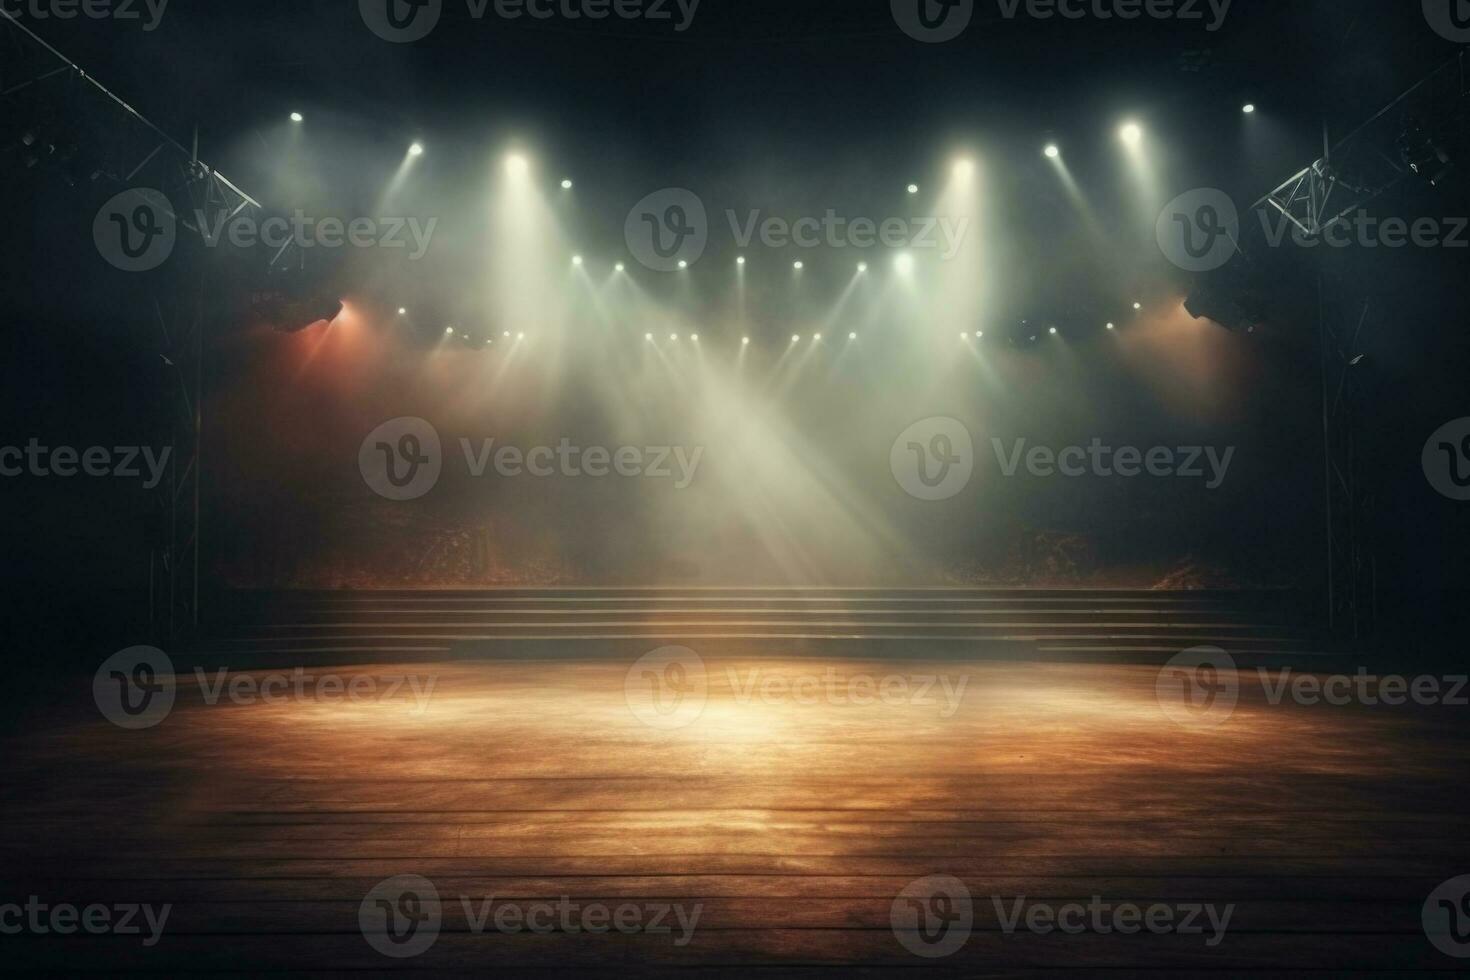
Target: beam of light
[[960, 273], [1075, 195]]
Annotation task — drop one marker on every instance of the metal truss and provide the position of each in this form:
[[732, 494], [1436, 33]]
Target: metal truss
[[98, 137]]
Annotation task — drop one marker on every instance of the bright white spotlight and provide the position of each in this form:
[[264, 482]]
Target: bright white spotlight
[[416, 150], [744, 341], [683, 264], [449, 331], [507, 335], [904, 263], [576, 260], [520, 336], [862, 267], [979, 334], [1052, 151], [799, 266], [816, 337], [517, 165], [694, 337], [1053, 331], [648, 336], [1131, 133], [740, 260], [1138, 306], [852, 336], [673, 336], [1248, 108], [403, 311], [566, 185], [913, 188], [964, 336], [619, 267], [297, 117], [796, 338], [1112, 326]]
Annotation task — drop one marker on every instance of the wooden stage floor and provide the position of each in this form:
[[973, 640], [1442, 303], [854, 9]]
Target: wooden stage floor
[[782, 830]]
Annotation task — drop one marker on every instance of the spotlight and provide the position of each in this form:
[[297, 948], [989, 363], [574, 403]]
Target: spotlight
[[913, 188], [507, 335], [904, 263], [816, 337], [964, 168], [744, 341], [1248, 108], [648, 336], [683, 264], [566, 185], [297, 117], [852, 336], [673, 336], [1052, 151], [694, 337], [449, 331], [520, 336], [796, 338], [979, 334], [1131, 133], [416, 150], [403, 311], [964, 336], [619, 267], [1112, 326], [799, 266], [862, 267], [576, 260], [740, 260], [1138, 306], [1053, 331], [517, 165]]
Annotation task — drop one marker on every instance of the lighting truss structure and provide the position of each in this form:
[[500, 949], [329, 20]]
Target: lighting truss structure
[[1350, 176], [107, 140]]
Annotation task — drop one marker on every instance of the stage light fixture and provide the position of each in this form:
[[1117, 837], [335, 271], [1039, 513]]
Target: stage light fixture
[[673, 336], [566, 185], [694, 337], [1112, 326], [799, 266], [1053, 331], [648, 336], [913, 188], [1138, 306], [796, 338], [1248, 108], [619, 267], [683, 264], [449, 331], [816, 337], [416, 150], [964, 336], [862, 267], [576, 260], [852, 336], [520, 336], [297, 117], [740, 260], [1131, 133], [1052, 151], [507, 335], [979, 334], [744, 341]]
